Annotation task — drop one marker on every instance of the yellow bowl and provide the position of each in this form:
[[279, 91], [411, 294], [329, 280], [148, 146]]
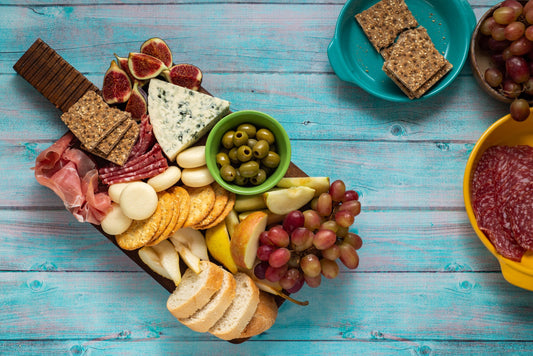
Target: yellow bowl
[[505, 131]]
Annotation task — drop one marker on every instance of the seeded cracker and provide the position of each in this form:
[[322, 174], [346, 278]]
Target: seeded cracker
[[384, 21], [413, 59], [112, 139], [88, 121], [120, 153]]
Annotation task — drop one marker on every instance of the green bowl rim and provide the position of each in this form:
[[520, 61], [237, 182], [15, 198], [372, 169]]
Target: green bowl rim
[[278, 173]]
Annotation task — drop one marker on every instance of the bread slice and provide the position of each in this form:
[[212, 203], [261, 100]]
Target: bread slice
[[206, 317], [241, 310], [195, 290], [264, 317]]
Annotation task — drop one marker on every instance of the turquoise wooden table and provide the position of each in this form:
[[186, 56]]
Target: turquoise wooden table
[[425, 285]]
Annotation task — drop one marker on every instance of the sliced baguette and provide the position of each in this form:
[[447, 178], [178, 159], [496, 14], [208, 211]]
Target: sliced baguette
[[195, 290], [240, 311], [264, 317], [206, 317]]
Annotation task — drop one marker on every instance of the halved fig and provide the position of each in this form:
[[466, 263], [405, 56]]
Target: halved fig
[[157, 48], [185, 75], [137, 104], [117, 85], [144, 66], [123, 64]]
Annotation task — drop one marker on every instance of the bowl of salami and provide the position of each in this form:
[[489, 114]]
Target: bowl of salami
[[498, 196]]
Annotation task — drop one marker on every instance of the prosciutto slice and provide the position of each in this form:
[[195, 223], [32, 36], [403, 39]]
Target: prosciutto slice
[[73, 176]]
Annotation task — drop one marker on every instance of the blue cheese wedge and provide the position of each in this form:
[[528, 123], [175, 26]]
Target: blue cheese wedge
[[180, 116]]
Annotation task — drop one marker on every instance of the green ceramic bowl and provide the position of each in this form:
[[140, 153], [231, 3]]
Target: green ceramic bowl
[[449, 24], [260, 120]]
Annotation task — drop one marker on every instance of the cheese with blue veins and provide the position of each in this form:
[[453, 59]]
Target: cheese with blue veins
[[180, 116]]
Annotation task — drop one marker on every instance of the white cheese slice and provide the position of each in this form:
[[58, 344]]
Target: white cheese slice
[[180, 116]]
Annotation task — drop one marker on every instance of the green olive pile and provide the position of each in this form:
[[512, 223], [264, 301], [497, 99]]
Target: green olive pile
[[248, 155]]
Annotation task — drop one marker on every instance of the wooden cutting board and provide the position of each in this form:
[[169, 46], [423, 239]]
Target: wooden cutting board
[[63, 86]]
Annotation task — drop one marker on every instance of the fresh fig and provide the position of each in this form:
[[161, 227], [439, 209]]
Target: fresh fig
[[144, 66], [185, 75], [117, 86], [157, 48], [137, 104], [123, 64]]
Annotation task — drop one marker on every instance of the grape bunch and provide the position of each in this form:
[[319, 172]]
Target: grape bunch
[[307, 244], [508, 35]]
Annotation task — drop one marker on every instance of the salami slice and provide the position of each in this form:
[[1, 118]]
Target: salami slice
[[144, 172]]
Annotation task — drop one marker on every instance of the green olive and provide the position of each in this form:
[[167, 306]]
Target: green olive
[[248, 128], [251, 142], [265, 134], [261, 148], [240, 138], [259, 178], [222, 159], [271, 160], [227, 139], [228, 173], [232, 154], [244, 153], [239, 179], [249, 169]]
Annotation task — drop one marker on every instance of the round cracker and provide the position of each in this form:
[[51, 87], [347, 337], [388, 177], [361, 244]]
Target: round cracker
[[182, 199], [140, 232], [170, 212], [221, 198], [202, 200], [229, 206]]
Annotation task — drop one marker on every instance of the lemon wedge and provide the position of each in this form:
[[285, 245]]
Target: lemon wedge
[[218, 243]]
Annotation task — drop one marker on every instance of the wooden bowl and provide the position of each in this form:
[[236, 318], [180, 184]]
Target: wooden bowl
[[480, 60]]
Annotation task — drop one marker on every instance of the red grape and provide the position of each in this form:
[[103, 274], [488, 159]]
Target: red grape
[[310, 265], [344, 218], [353, 206], [264, 252], [279, 236], [529, 33], [493, 77], [279, 257], [354, 240], [312, 220], [528, 86], [497, 46], [324, 204], [514, 30], [517, 69], [521, 46], [260, 269], [264, 239], [330, 225], [515, 5], [504, 15], [511, 89], [291, 277], [349, 256], [350, 195], [313, 282], [274, 274], [330, 269], [498, 32], [293, 220], [487, 25], [336, 190], [529, 16], [520, 109], [332, 253], [301, 239], [298, 285], [324, 239]]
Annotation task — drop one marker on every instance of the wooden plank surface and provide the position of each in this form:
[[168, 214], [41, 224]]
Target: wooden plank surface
[[425, 284]]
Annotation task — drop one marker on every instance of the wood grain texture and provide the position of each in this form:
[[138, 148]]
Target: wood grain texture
[[425, 284]]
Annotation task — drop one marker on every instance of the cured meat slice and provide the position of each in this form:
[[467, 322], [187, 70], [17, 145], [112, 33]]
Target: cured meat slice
[[148, 171], [153, 155], [520, 215], [73, 176]]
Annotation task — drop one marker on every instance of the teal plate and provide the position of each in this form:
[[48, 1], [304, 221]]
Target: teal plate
[[449, 24]]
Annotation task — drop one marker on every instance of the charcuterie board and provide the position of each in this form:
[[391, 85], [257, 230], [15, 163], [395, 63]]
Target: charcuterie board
[[63, 86]]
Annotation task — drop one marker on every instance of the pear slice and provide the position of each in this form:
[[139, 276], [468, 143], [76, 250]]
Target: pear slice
[[283, 201], [190, 259], [151, 259], [319, 184], [272, 218], [249, 202], [218, 243], [245, 240], [169, 259], [192, 239], [231, 221]]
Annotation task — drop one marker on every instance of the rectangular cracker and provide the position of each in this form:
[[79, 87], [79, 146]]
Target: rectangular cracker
[[426, 86], [88, 119], [384, 21], [414, 59], [112, 139], [120, 153]]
